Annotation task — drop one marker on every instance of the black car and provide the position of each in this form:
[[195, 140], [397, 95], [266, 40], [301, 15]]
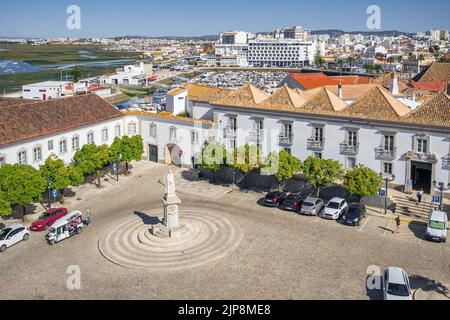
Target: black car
[[354, 214], [293, 202], [274, 199]]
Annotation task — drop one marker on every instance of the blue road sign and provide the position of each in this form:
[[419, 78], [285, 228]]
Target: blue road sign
[[436, 200], [383, 193], [54, 193]]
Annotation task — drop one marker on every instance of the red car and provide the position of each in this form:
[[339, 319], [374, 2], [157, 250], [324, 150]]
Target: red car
[[48, 218]]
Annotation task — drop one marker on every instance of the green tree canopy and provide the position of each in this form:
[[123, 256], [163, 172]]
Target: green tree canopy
[[91, 159], [362, 181], [127, 149], [246, 159], [213, 157], [20, 185], [322, 172], [282, 166]]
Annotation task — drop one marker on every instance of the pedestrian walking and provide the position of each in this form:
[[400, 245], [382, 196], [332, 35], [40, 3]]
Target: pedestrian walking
[[419, 197], [397, 223], [88, 217]]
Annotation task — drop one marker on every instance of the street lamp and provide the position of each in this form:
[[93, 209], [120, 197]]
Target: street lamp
[[440, 187], [386, 180], [49, 193]]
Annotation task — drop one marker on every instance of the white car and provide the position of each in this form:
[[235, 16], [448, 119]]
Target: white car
[[13, 234], [437, 228], [335, 208], [396, 284]]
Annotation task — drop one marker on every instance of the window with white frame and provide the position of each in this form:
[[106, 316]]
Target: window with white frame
[[2, 159], [132, 129], [388, 168], [173, 133], [153, 130], [318, 134], [76, 143], [194, 136], [50, 145], [63, 146], [105, 135], [22, 157], [37, 153], [389, 142], [422, 144], [352, 138], [117, 130], [90, 138]]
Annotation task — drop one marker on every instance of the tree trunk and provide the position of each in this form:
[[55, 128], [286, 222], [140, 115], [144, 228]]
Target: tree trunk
[[99, 182], [318, 192], [61, 197], [126, 168], [24, 212]]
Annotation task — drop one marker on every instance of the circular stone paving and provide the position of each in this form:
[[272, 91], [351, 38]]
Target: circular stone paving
[[209, 236]]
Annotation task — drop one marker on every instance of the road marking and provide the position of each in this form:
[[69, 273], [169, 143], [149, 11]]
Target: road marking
[[362, 227]]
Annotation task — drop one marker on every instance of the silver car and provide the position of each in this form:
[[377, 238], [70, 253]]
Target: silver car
[[312, 206]]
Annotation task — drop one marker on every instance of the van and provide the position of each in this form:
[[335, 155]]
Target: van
[[437, 228]]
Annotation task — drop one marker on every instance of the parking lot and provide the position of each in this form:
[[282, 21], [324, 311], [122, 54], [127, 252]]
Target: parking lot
[[282, 255]]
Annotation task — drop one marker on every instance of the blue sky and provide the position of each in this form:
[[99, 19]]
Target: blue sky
[[102, 18]]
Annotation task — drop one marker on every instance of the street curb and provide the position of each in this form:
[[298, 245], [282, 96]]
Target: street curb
[[417, 222]]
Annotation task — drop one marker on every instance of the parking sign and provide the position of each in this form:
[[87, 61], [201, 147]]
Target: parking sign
[[383, 193], [436, 200], [54, 193]]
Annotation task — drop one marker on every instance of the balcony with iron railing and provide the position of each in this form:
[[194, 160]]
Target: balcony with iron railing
[[314, 144], [229, 132], [285, 140], [349, 149], [385, 154], [256, 135]]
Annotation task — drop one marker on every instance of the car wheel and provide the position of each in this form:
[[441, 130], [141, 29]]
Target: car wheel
[[26, 236], [79, 230], [51, 242], [3, 248]]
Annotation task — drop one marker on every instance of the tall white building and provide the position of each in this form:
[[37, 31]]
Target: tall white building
[[280, 53], [234, 37]]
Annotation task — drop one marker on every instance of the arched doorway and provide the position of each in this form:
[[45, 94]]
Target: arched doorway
[[173, 155]]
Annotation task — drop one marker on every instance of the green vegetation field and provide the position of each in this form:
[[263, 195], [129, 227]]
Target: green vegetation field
[[50, 55]]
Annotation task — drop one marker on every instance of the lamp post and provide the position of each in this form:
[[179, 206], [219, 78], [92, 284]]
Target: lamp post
[[440, 187], [386, 181], [49, 193]]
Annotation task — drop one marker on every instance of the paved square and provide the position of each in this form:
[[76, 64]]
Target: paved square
[[282, 255]]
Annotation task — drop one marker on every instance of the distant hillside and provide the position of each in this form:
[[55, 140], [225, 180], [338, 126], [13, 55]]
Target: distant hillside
[[336, 33], [205, 38]]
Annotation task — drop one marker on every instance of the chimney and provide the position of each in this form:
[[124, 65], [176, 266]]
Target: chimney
[[340, 89], [394, 84]]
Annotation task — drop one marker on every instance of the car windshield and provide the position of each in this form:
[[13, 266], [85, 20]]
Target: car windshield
[[4, 233], [437, 225], [399, 290], [352, 212], [44, 216], [293, 197], [333, 205], [308, 204]]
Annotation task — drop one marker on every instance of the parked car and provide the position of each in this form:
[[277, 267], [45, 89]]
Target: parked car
[[65, 227], [354, 214], [47, 219], [335, 208], [396, 284], [293, 202], [437, 229], [312, 206], [13, 234], [274, 198]]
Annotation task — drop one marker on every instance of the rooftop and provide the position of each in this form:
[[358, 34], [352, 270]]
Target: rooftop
[[19, 122], [437, 72]]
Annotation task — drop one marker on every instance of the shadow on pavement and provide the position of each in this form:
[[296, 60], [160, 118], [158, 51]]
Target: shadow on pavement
[[376, 293], [429, 285], [149, 220], [417, 230]]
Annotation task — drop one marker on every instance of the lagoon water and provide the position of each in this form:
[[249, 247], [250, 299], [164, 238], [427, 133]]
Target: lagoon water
[[13, 67]]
